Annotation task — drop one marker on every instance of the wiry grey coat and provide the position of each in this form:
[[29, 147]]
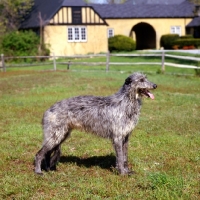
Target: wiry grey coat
[[112, 117]]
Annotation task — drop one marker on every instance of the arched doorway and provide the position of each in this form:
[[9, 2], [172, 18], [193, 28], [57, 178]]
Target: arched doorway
[[145, 36]]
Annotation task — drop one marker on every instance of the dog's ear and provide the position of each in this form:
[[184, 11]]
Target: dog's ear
[[128, 81]]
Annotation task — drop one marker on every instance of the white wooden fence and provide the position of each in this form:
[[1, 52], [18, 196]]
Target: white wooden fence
[[54, 60]]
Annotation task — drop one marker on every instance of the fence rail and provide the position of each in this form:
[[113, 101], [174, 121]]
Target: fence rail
[[53, 60]]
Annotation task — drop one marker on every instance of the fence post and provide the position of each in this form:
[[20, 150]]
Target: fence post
[[107, 61], [3, 63], [163, 62], [68, 65], [54, 62]]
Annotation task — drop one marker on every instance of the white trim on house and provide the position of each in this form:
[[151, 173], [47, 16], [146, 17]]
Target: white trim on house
[[77, 34], [110, 32], [175, 30]]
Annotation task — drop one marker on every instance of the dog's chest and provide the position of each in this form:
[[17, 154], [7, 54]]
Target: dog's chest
[[126, 121], [131, 122]]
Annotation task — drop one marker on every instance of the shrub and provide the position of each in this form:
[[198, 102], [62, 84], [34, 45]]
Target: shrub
[[121, 43], [167, 40], [190, 43], [186, 37], [23, 43]]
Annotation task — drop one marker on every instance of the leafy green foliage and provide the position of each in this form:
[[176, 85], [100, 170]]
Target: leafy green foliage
[[12, 13], [121, 43], [22, 43], [186, 36], [197, 2], [187, 42], [167, 40]]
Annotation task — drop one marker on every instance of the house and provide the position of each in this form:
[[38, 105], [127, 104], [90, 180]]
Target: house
[[76, 27]]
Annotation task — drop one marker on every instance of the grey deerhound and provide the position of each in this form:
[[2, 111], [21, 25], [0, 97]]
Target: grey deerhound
[[112, 117]]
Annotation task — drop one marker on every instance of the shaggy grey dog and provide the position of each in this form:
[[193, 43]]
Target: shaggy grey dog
[[112, 117]]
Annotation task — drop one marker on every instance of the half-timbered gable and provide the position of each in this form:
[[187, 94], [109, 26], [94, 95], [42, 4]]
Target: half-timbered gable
[[77, 16]]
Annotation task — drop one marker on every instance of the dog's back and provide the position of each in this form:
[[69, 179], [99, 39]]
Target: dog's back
[[108, 117]]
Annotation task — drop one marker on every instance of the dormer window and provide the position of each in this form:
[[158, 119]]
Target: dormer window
[[76, 15]]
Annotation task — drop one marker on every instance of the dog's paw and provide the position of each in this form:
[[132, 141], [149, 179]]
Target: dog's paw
[[131, 172], [39, 173]]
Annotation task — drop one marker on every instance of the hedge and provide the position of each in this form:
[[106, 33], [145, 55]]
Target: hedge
[[23, 43], [186, 37], [184, 43], [121, 43], [167, 40]]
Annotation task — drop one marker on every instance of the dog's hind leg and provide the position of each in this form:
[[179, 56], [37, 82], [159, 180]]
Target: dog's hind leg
[[57, 153], [51, 158], [39, 158], [55, 157], [47, 160], [47, 149]]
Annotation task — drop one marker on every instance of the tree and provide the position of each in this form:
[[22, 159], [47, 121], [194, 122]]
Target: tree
[[12, 13], [197, 2]]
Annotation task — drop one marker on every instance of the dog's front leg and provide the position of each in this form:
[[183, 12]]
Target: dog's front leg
[[125, 154], [119, 155]]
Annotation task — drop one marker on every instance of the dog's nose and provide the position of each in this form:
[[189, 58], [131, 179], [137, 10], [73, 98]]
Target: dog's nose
[[154, 86]]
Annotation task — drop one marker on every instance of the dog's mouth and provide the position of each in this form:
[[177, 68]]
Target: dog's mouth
[[146, 93]]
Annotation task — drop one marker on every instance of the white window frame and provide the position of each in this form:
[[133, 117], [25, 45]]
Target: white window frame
[[175, 30], [110, 32], [77, 34]]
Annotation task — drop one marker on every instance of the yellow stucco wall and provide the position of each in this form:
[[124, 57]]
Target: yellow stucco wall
[[161, 26], [97, 40], [57, 37], [56, 33]]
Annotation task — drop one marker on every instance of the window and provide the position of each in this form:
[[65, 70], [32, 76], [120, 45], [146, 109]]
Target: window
[[110, 32], [83, 33], [77, 34], [70, 34], [176, 30]]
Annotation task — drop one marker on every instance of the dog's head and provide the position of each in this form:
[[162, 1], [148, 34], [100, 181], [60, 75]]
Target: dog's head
[[139, 85]]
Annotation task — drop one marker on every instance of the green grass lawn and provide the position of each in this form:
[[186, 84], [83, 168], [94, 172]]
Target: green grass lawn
[[164, 148]]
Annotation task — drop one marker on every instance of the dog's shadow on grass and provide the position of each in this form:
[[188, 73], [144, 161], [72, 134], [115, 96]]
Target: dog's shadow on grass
[[104, 162]]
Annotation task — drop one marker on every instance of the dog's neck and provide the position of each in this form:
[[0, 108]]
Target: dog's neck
[[135, 97], [132, 96]]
